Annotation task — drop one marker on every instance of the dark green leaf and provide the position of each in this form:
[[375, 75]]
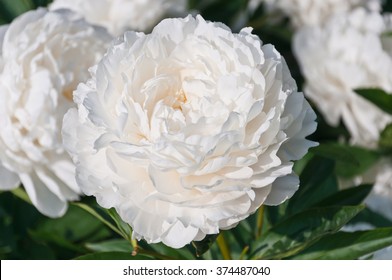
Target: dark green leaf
[[259, 14], [203, 246], [76, 225], [371, 217], [224, 11], [387, 6], [112, 256], [116, 245], [348, 245], [337, 152], [302, 230], [378, 97], [14, 8], [317, 182], [366, 159], [385, 141], [41, 3], [186, 253], [349, 197]]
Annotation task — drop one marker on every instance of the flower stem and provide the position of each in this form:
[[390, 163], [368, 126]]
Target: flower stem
[[260, 221], [244, 252], [135, 247], [223, 246]]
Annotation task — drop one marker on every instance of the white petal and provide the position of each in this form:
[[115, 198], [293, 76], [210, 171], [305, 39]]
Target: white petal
[[8, 180], [42, 198]]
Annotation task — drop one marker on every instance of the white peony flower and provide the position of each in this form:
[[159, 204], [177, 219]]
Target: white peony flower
[[345, 54], [45, 55], [315, 12], [188, 130], [121, 15]]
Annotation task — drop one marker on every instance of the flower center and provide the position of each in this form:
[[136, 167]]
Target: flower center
[[68, 94], [179, 99]]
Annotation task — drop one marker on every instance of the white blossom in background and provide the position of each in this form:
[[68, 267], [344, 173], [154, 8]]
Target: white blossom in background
[[348, 52], [45, 55], [315, 12], [121, 15], [345, 54], [380, 199], [188, 130]]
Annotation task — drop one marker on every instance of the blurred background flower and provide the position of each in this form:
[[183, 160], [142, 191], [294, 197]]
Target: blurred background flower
[[121, 15], [44, 56]]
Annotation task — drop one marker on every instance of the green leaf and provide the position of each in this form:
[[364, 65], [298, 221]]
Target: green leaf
[[223, 10], [350, 160], [366, 159], [317, 182], [378, 97], [99, 217], [349, 197], [337, 152], [385, 141], [348, 245], [112, 256], [41, 3], [204, 245], [185, 253], [115, 245], [74, 227], [371, 217], [301, 231], [12, 8]]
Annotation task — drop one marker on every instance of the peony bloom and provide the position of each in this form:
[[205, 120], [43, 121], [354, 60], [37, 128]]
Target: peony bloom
[[345, 54], [315, 12], [188, 130], [121, 15], [45, 55]]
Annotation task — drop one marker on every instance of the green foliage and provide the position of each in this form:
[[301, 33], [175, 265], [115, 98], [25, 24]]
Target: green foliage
[[317, 182], [203, 246], [112, 256], [352, 196], [348, 245], [385, 141], [378, 97], [302, 230], [224, 11], [366, 159]]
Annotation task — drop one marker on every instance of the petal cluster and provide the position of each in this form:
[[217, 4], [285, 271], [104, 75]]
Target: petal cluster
[[121, 15], [188, 130], [44, 56]]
